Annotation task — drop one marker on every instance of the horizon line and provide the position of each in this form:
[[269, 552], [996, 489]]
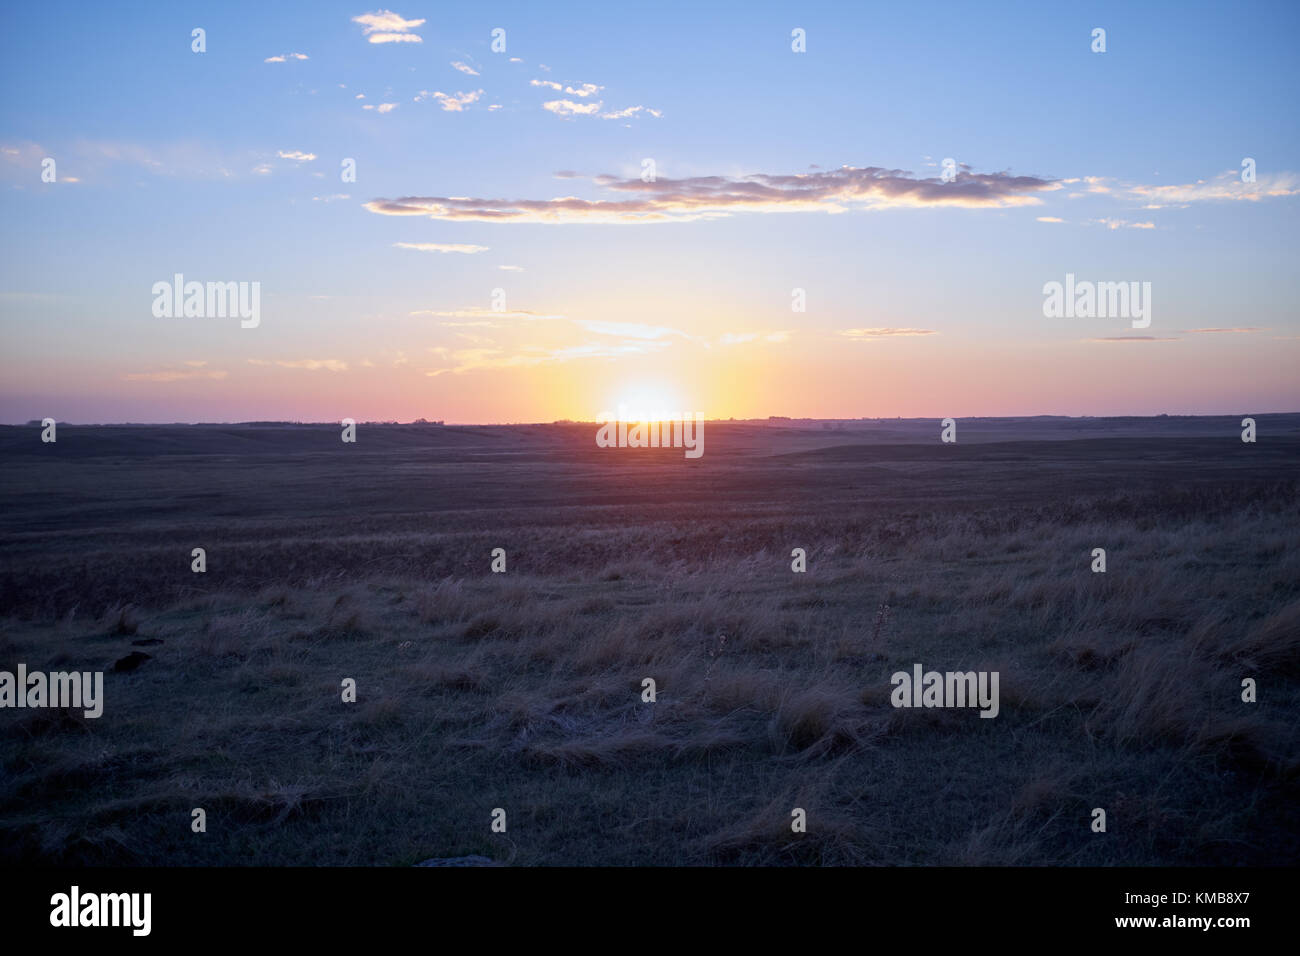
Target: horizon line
[[36, 422]]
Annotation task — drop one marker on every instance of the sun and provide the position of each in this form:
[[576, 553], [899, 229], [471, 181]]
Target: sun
[[648, 402]]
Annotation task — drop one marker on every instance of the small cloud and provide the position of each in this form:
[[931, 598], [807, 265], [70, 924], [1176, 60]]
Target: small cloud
[[550, 84], [863, 335], [176, 375], [451, 104], [1113, 224], [631, 111], [515, 59], [285, 56], [464, 68], [262, 169], [297, 155], [382, 107], [1242, 329], [1135, 338], [570, 108], [511, 268], [1050, 219], [311, 365], [440, 247], [331, 198], [385, 26]]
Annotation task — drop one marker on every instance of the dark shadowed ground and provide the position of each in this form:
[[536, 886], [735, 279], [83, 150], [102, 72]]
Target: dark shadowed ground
[[522, 690]]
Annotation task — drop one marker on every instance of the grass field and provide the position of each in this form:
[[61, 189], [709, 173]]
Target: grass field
[[523, 690]]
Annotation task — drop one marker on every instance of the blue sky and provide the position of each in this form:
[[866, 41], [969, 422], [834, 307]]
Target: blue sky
[[918, 304]]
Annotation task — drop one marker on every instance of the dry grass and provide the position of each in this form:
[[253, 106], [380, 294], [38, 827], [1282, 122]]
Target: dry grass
[[523, 691]]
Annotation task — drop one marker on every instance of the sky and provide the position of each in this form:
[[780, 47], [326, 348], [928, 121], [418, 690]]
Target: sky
[[627, 204]]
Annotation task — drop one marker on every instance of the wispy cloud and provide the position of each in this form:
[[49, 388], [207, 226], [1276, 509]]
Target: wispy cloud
[[1225, 187], [589, 106], [1241, 329], [1136, 338], [441, 247], [1050, 219], [297, 155], [26, 155], [459, 361], [704, 197], [177, 375], [451, 103], [311, 365], [182, 159], [489, 314], [865, 335], [582, 90], [382, 107], [630, 112], [385, 26], [284, 57], [633, 330], [1124, 224], [464, 68]]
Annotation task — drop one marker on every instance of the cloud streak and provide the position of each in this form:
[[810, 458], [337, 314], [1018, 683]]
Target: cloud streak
[[311, 365], [463, 247], [1136, 338], [710, 197], [176, 375], [865, 335], [452, 104]]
